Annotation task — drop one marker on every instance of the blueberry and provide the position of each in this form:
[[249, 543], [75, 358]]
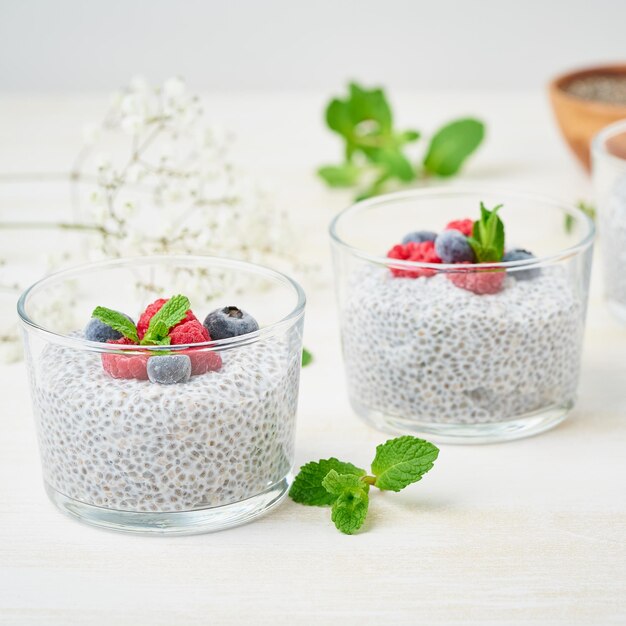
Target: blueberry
[[99, 331], [419, 236], [169, 369], [229, 322], [518, 254], [452, 247]]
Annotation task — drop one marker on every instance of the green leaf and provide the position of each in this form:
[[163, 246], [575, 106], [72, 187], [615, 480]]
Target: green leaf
[[349, 508], [307, 357], [369, 105], [117, 322], [487, 238], [395, 163], [307, 487], [338, 117], [408, 136], [345, 175], [402, 461], [170, 314], [451, 145]]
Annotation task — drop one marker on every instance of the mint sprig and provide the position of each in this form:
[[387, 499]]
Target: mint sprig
[[375, 151], [345, 487], [487, 238], [170, 314]]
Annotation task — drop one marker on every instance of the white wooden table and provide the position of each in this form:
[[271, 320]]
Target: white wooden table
[[527, 532]]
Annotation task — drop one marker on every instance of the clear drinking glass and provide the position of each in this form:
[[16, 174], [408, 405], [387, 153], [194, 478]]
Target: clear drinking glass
[[426, 355], [608, 152], [133, 455]]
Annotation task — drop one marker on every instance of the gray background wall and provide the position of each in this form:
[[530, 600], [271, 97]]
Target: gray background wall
[[87, 45]]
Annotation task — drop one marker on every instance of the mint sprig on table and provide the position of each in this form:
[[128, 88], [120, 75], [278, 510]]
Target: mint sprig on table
[[345, 487], [376, 151], [487, 238], [157, 334]]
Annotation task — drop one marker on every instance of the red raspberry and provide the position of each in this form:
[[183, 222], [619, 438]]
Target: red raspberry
[[125, 365], [193, 331], [151, 309], [465, 226], [423, 252], [480, 282]]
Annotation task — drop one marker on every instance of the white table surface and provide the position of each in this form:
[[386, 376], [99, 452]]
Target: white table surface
[[532, 531]]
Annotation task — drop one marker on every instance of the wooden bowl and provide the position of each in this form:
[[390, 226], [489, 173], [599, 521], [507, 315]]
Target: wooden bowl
[[580, 119]]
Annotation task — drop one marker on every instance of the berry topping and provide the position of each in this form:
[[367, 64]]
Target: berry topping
[[96, 330], [452, 246], [463, 226], [125, 365], [480, 282], [169, 369], [518, 254], [229, 321], [419, 236], [420, 252], [202, 361], [189, 332], [148, 314]]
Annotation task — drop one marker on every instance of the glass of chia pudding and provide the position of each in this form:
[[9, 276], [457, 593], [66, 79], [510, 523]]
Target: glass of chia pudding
[[462, 313], [609, 179], [165, 390]]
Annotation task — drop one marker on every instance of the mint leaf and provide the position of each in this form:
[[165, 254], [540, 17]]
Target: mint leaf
[[117, 322], [451, 145], [349, 508], [307, 357], [586, 208], [394, 162], [487, 238], [344, 175], [307, 487], [402, 461], [170, 314], [364, 120]]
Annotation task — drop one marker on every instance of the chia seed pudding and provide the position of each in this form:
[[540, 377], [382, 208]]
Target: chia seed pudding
[[164, 422], [425, 350], [455, 333], [612, 216], [132, 445]]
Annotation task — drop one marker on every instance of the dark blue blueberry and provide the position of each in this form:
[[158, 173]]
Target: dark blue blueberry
[[169, 369], [99, 331], [518, 254], [229, 321], [452, 246], [419, 236]]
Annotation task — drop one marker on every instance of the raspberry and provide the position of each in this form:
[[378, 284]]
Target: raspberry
[[125, 365], [480, 282], [423, 252], [464, 226], [193, 331], [151, 309]]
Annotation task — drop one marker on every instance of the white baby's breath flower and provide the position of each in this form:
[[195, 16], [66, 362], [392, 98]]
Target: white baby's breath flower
[[132, 124]]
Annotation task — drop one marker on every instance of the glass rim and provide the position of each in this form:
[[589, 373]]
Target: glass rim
[[439, 192], [214, 345], [598, 143]]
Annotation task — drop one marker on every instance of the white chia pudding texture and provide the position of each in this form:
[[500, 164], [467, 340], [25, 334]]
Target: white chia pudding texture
[[425, 350], [133, 445], [613, 228]]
